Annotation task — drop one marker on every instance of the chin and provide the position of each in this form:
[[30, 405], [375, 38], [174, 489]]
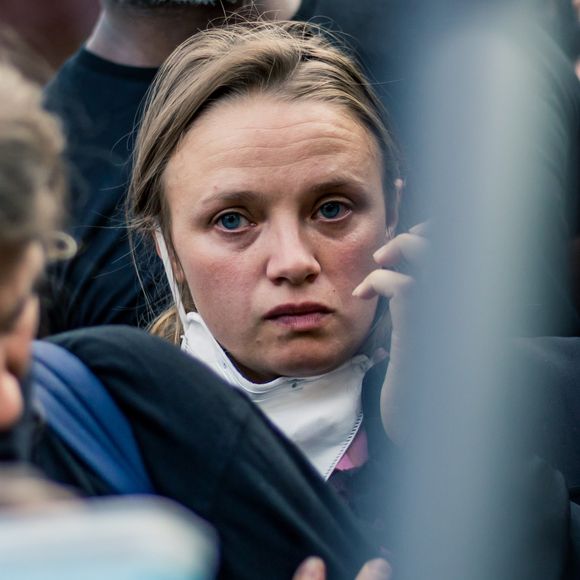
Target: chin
[[309, 366], [309, 359]]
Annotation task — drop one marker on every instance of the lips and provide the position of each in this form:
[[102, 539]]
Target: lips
[[300, 317], [297, 310]]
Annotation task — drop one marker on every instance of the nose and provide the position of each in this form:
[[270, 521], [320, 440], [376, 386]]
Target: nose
[[291, 257]]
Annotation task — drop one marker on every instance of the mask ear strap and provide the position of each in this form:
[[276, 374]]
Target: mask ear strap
[[164, 255]]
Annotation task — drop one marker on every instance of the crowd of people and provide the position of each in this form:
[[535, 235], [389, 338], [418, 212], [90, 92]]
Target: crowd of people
[[238, 263]]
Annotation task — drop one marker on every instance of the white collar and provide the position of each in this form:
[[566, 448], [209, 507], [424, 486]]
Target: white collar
[[320, 414]]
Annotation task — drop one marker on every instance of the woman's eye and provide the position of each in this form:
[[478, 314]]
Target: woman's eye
[[232, 221], [332, 210]]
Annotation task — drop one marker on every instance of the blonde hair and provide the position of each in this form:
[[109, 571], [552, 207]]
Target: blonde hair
[[32, 176], [289, 60]]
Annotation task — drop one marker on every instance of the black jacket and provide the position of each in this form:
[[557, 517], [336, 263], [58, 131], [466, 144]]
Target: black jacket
[[208, 447]]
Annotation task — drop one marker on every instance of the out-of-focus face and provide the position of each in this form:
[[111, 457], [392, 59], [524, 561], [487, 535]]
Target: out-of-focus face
[[18, 324], [276, 209]]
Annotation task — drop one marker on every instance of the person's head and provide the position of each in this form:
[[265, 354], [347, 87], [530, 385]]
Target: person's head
[[31, 195], [264, 160]]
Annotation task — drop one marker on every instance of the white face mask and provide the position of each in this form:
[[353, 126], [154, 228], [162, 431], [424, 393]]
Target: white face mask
[[320, 414]]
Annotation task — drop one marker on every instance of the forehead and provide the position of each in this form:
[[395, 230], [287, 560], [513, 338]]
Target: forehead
[[254, 141]]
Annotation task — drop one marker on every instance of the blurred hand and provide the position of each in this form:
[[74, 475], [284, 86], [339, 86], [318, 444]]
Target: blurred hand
[[314, 569], [409, 248]]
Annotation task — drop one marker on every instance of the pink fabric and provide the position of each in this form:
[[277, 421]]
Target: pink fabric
[[356, 454]]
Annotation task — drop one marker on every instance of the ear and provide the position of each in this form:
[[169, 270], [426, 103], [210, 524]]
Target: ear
[[393, 212]]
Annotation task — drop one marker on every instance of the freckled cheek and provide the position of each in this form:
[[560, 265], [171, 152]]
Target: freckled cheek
[[352, 260], [350, 265], [222, 291]]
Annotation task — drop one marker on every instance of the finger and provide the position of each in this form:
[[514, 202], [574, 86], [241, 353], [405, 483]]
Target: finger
[[377, 569], [311, 569], [409, 247], [383, 283]]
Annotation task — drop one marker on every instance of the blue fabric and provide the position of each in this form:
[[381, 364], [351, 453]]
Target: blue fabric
[[79, 408]]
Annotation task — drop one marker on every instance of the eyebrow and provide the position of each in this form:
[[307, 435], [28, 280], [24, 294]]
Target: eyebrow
[[245, 196], [234, 197], [338, 183]]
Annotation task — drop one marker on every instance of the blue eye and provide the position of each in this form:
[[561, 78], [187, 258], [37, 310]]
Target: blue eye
[[232, 221], [331, 210]]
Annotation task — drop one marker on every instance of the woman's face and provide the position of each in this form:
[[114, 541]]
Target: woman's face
[[19, 272], [276, 209]]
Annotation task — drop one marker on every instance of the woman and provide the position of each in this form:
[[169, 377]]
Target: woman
[[266, 174], [203, 445]]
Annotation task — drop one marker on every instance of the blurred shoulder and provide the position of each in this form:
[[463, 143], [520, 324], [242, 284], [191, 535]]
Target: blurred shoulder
[[124, 347], [109, 337], [140, 369]]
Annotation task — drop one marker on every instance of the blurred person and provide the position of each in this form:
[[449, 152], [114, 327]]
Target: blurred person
[[32, 189], [493, 118], [545, 31]]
